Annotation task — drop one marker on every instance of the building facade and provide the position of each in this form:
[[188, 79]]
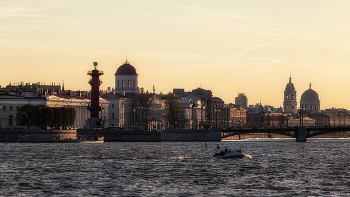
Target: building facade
[[295, 121], [321, 120], [241, 100], [262, 119], [11, 103]]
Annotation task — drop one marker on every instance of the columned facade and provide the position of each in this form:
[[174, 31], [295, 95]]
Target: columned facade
[[81, 107]]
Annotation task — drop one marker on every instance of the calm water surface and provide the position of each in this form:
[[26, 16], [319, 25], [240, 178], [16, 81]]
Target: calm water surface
[[278, 167]]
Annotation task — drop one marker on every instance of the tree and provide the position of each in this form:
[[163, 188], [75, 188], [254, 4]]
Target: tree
[[65, 117], [45, 116], [143, 109], [57, 118], [72, 114], [173, 110], [27, 115]]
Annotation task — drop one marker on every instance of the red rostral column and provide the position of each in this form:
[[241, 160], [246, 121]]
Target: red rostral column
[[95, 91]]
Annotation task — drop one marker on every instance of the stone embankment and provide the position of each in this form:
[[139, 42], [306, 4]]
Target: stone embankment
[[50, 135], [25, 135], [158, 136]]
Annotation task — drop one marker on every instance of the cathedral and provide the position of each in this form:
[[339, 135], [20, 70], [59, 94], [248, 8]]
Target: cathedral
[[309, 101]]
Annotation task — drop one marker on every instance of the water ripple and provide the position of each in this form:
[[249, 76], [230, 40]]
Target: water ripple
[[275, 168]]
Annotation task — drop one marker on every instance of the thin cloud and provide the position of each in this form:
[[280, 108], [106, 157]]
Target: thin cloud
[[32, 14], [251, 48], [259, 46], [15, 12]]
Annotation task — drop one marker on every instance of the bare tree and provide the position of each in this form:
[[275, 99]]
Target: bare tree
[[173, 110], [143, 110]]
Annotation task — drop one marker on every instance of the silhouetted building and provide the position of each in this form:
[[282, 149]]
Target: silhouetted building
[[290, 97], [310, 101], [262, 119], [321, 120], [241, 100]]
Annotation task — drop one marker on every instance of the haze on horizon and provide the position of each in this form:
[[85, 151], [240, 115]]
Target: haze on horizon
[[226, 46]]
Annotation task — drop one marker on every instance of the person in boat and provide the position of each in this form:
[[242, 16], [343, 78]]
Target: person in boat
[[226, 150]]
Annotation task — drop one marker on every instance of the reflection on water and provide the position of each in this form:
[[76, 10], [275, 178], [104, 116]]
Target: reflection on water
[[278, 167]]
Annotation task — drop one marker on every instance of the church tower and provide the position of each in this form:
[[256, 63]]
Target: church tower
[[290, 97]]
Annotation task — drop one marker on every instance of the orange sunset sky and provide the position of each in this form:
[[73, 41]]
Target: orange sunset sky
[[227, 46]]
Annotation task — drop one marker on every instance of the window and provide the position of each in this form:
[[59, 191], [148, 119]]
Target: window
[[129, 83], [4, 108], [11, 120], [123, 83], [112, 105], [10, 108]]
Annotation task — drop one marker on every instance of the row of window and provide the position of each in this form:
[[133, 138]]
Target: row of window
[[310, 107], [4, 108], [291, 97], [123, 83], [256, 119]]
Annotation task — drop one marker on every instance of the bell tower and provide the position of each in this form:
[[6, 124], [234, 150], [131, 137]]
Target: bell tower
[[290, 97]]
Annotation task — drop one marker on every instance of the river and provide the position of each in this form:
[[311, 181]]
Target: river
[[277, 167]]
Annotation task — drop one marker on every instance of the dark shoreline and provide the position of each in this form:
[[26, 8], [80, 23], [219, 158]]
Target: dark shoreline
[[76, 136]]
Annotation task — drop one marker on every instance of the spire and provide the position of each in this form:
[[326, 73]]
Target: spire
[[310, 86], [290, 77], [126, 58]]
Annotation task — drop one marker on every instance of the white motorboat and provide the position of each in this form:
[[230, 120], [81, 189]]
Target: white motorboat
[[230, 154]]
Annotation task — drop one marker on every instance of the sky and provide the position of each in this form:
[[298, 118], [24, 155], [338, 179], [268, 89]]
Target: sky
[[227, 46]]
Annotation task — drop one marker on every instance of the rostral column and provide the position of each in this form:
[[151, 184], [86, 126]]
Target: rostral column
[[95, 83]]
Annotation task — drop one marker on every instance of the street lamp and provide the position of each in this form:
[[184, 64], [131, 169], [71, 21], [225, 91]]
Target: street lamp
[[217, 117], [148, 109], [302, 115], [140, 107], [134, 110]]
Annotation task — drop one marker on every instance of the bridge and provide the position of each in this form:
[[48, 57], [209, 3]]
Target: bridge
[[300, 133]]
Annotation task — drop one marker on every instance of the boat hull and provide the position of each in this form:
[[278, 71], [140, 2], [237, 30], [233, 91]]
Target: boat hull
[[229, 155]]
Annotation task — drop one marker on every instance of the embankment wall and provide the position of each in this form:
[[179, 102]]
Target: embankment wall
[[25, 135]]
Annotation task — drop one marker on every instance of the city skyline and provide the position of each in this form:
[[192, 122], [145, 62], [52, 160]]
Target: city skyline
[[228, 47]]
